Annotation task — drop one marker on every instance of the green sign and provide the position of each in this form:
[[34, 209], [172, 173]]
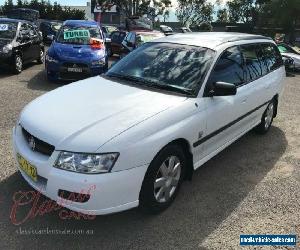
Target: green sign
[[70, 34]]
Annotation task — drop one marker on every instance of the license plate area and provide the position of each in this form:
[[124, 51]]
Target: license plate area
[[29, 169], [76, 70]]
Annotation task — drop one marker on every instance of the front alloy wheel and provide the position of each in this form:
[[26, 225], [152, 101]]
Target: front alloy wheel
[[167, 179], [163, 179], [41, 58], [18, 64]]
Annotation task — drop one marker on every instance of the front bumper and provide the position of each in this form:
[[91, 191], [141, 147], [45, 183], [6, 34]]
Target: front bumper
[[56, 71], [109, 193], [6, 59]]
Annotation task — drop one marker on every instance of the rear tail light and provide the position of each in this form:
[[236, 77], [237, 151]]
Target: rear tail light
[[97, 43]]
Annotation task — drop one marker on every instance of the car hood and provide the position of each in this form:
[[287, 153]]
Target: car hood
[[83, 116], [76, 52], [294, 56]]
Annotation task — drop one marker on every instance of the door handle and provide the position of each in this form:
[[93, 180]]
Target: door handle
[[244, 100]]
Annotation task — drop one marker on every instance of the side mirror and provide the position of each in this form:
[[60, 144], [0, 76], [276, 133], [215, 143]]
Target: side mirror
[[50, 37], [222, 89], [107, 40]]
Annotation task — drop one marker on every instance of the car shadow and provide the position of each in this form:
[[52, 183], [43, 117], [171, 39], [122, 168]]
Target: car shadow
[[215, 191], [40, 82]]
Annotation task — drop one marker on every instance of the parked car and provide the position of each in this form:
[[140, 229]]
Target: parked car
[[77, 52], [27, 14], [108, 29], [166, 30], [117, 38], [24, 14], [130, 137], [136, 38], [49, 28], [289, 52], [20, 43], [183, 30]]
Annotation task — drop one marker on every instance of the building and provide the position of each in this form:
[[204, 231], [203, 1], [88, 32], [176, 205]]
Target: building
[[87, 10]]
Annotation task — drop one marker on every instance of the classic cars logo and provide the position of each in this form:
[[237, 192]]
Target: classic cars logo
[[31, 143], [36, 205]]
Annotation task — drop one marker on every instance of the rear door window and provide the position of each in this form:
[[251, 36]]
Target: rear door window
[[271, 56], [253, 62]]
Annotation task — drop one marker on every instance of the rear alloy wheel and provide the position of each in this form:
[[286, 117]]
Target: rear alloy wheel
[[163, 179], [267, 119], [18, 64], [41, 58]]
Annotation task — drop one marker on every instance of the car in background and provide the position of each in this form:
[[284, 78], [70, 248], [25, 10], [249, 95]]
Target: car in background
[[48, 28], [135, 39], [20, 43], [77, 52], [117, 38], [108, 29], [27, 14], [289, 52], [166, 30], [183, 30]]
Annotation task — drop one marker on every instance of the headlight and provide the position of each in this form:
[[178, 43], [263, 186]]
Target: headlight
[[100, 62], [7, 48], [86, 163], [51, 59]]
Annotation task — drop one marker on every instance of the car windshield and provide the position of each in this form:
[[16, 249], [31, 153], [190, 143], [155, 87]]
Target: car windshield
[[8, 30], [174, 67], [80, 35]]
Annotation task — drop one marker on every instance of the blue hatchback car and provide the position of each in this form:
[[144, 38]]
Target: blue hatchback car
[[77, 52]]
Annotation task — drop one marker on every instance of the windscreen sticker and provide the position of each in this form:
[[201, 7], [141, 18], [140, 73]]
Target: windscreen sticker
[[3, 27], [70, 34]]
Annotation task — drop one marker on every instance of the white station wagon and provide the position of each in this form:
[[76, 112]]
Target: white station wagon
[[130, 137]]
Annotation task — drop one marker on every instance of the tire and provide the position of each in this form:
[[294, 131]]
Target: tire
[[267, 119], [41, 58], [109, 52], [153, 199], [18, 64]]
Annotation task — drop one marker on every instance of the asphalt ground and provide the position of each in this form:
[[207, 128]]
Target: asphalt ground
[[252, 187]]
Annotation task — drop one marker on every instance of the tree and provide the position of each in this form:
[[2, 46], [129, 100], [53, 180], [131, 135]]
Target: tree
[[130, 8], [46, 9], [281, 14], [222, 16], [8, 6], [194, 12], [244, 11]]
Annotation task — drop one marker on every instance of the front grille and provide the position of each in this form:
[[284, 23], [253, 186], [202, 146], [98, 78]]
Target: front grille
[[39, 145]]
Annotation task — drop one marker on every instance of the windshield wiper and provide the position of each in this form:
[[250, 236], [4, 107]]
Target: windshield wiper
[[174, 88], [153, 84], [129, 78]]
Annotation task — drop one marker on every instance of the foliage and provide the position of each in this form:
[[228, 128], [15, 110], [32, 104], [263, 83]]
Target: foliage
[[152, 8], [194, 12], [222, 15], [47, 10]]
